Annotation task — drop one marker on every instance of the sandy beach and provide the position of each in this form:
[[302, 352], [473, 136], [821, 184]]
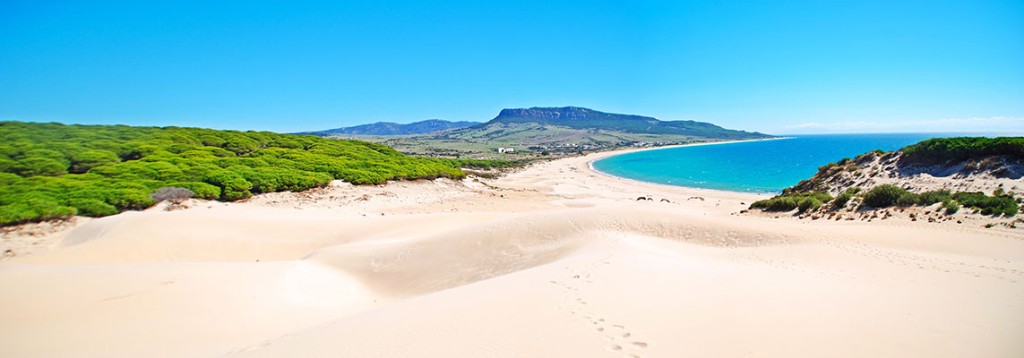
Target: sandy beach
[[555, 260]]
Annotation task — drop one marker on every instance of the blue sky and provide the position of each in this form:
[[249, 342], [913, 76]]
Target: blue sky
[[773, 66]]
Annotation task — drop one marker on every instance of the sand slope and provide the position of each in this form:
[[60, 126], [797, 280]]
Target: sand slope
[[553, 261]]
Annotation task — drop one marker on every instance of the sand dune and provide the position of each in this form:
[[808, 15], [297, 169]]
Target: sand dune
[[552, 261]]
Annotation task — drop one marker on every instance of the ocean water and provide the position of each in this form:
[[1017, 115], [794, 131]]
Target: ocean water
[[760, 166]]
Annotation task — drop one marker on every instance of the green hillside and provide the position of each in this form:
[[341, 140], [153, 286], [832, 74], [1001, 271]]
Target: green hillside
[[53, 170]]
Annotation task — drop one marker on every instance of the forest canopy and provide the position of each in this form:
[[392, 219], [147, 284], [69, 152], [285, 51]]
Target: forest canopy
[[51, 170]]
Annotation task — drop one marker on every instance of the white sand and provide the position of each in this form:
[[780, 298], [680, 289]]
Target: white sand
[[552, 261]]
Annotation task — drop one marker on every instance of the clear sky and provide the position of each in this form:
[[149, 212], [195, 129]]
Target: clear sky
[[774, 66]]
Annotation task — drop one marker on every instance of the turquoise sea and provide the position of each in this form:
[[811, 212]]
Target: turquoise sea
[[760, 166]]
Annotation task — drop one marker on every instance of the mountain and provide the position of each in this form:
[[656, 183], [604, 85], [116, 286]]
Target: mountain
[[580, 118], [539, 126], [388, 128], [538, 131], [584, 118]]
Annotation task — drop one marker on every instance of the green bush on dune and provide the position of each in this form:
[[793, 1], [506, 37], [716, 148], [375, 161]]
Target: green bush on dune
[[804, 201], [52, 170], [929, 152], [941, 150], [884, 195]]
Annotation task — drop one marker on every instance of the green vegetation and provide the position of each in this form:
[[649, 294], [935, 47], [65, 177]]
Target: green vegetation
[[50, 171], [932, 151], [935, 196], [941, 150], [884, 195], [803, 201], [988, 205], [951, 207]]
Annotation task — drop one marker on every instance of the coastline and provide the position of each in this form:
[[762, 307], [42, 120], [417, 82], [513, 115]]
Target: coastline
[[605, 155], [553, 260]]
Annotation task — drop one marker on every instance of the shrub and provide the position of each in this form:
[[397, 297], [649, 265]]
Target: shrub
[[841, 200], [940, 150], [130, 199], [200, 190], [907, 199], [808, 204], [934, 196], [33, 166], [784, 203], [882, 196], [83, 161], [173, 194], [951, 207], [93, 207], [791, 199], [988, 205]]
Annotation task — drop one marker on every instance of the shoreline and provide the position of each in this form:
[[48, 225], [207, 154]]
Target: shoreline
[[605, 155]]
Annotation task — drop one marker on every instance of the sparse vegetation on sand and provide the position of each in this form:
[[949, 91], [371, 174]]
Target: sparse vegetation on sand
[[804, 201], [50, 171], [951, 151]]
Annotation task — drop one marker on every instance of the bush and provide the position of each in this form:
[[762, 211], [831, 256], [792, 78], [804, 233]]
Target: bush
[[941, 150], [83, 161], [791, 199], [882, 196], [33, 166], [988, 205], [93, 207], [172, 194], [841, 201], [907, 199], [808, 204], [934, 196], [200, 190], [951, 207], [784, 203]]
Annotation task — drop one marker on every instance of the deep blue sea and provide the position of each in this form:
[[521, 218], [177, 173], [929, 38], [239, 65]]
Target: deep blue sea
[[760, 166]]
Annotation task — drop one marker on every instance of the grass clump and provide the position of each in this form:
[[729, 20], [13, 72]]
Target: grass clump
[[951, 207], [791, 200], [988, 205], [907, 199], [884, 195], [934, 196]]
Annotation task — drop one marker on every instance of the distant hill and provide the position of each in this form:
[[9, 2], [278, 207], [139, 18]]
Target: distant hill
[[388, 128], [584, 118], [539, 131], [583, 126]]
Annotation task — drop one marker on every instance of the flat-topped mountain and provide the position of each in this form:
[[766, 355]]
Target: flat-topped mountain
[[388, 128], [585, 118], [538, 131]]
